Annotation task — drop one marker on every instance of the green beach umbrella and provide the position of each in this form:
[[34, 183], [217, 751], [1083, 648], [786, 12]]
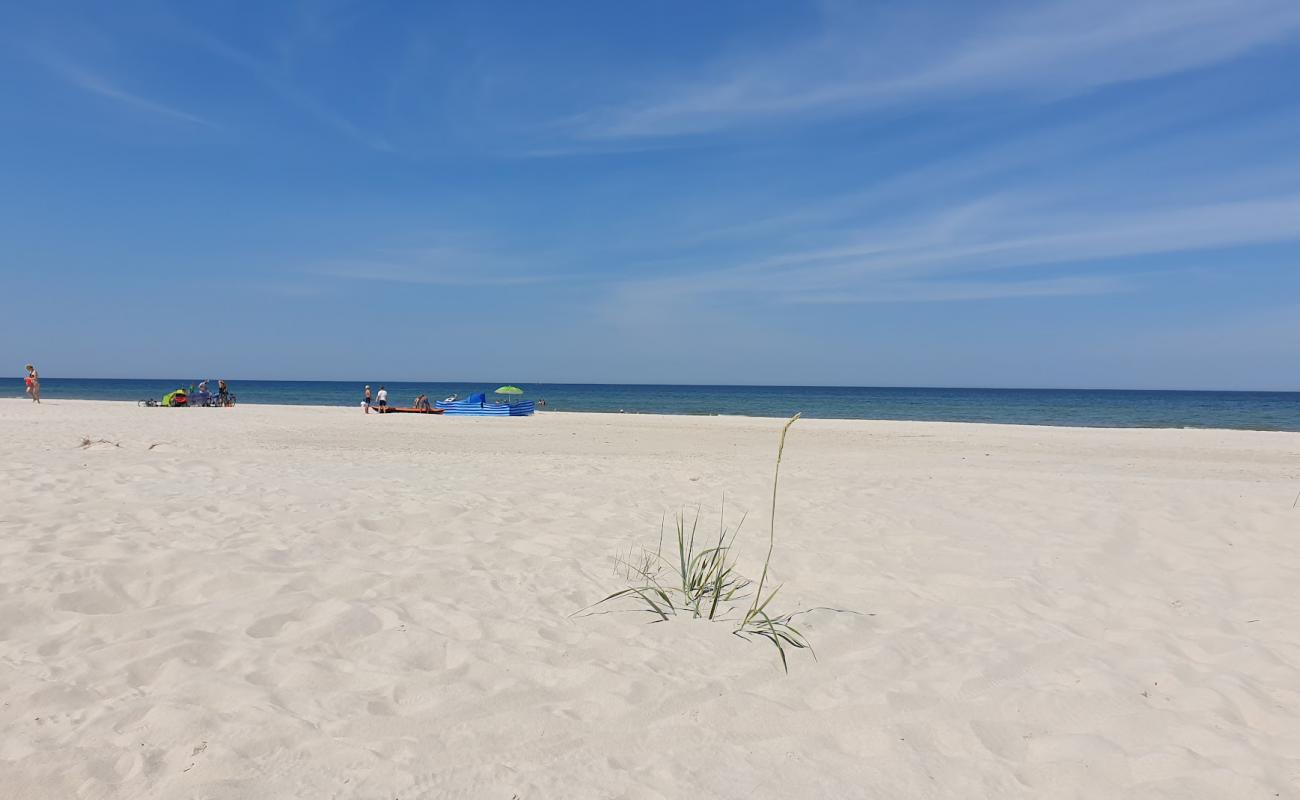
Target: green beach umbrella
[[510, 390]]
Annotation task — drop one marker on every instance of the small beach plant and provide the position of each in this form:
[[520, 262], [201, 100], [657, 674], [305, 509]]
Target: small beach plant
[[703, 582], [690, 580]]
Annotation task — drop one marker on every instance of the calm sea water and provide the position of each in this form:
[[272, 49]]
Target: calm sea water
[[1092, 408]]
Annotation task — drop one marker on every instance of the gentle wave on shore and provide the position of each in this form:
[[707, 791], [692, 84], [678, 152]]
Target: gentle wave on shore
[[1072, 407]]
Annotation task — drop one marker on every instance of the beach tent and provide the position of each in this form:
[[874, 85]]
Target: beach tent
[[176, 398]]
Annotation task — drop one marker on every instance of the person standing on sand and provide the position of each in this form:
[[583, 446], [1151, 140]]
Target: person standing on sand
[[381, 399], [366, 402], [33, 381]]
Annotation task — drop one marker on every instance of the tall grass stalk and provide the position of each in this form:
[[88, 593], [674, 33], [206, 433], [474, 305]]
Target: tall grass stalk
[[771, 529], [705, 583]]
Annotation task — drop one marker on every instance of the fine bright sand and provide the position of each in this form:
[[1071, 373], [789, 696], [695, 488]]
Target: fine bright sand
[[274, 602]]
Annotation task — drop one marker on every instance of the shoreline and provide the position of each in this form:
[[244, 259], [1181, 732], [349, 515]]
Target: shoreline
[[653, 414], [800, 386]]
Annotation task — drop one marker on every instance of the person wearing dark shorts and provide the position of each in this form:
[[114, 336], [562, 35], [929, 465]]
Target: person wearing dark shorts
[[381, 399], [366, 402]]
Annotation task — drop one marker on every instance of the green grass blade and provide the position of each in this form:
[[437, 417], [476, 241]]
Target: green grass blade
[[662, 616], [771, 538]]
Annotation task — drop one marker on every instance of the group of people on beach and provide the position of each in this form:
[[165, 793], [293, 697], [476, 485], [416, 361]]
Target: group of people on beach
[[201, 396], [204, 397], [33, 381], [379, 401]]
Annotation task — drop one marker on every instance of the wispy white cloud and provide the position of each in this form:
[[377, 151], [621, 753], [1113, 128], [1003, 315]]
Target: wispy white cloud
[[971, 238], [272, 79], [1164, 137], [98, 84], [856, 62], [926, 258]]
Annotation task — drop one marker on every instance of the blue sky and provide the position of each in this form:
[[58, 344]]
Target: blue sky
[[1094, 194]]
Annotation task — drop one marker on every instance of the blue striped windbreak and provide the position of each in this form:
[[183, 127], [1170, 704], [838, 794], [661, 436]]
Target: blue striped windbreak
[[478, 408]]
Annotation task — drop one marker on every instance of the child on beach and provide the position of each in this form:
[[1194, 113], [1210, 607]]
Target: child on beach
[[33, 381]]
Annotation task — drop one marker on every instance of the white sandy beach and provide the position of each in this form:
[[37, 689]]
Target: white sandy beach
[[275, 602]]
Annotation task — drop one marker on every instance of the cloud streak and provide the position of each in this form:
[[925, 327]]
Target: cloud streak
[[266, 76], [925, 260], [852, 65], [100, 85]]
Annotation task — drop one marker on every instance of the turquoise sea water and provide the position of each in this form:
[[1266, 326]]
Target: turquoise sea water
[[1090, 408]]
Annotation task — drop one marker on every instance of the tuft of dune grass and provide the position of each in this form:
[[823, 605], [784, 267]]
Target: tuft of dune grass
[[701, 581]]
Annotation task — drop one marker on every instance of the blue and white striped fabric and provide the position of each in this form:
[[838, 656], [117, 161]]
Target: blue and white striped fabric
[[476, 407]]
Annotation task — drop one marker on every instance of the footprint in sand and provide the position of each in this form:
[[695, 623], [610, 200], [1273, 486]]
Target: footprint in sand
[[269, 626], [91, 602]]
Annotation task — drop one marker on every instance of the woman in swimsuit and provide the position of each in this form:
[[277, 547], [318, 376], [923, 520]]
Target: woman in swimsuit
[[33, 381]]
